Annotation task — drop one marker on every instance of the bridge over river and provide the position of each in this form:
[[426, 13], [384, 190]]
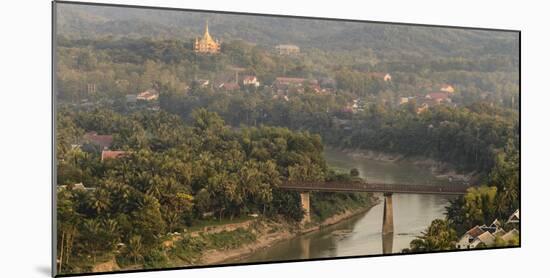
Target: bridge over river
[[356, 186]]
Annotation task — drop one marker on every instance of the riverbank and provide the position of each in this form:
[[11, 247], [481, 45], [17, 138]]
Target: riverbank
[[441, 170], [270, 232], [219, 244]]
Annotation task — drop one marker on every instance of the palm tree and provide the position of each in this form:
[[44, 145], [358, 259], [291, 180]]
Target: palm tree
[[100, 200], [110, 227], [438, 236], [134, 249], [92, 229]]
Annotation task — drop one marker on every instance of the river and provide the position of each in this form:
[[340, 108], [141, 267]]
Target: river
[[362, 234]]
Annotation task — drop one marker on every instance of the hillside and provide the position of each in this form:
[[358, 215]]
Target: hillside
[[88, 22]]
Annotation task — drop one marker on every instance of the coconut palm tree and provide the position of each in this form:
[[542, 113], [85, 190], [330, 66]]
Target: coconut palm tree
[[92, 229], [100, 201], [135, 248]]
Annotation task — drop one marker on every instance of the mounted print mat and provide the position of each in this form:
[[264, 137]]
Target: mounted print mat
[[187, 138]]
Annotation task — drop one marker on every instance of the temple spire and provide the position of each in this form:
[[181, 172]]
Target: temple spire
[[206, 44], [206, 33]]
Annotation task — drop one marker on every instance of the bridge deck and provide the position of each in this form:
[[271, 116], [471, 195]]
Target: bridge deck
[[375, 187]]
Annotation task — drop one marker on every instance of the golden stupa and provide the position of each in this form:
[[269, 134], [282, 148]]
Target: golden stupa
[[206, 44]]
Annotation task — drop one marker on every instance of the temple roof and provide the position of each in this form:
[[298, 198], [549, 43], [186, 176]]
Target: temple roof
[[206, 37]]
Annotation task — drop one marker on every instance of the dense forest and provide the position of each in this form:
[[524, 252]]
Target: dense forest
[[396, 41], [472, 136], [173, 176]]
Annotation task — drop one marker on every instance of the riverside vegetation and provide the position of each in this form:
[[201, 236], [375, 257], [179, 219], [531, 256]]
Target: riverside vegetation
[[173, 175]]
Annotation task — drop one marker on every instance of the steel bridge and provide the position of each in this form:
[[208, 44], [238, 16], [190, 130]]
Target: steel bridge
[[387, 189]]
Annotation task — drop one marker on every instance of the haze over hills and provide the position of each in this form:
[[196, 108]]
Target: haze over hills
[[89, 22]]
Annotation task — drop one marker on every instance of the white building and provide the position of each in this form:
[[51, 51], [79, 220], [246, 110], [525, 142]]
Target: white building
[[251, 80], [514, 218], [287, 49]]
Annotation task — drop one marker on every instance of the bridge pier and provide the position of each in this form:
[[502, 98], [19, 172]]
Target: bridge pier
[[387, 222], [304, 200], [387, 243]]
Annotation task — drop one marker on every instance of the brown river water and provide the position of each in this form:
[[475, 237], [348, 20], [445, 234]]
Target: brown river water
[[362, 234]]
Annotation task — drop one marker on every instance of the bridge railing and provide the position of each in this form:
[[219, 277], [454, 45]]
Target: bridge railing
[[374, 187]]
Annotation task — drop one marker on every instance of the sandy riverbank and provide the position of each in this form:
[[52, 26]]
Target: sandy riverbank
[[268, 232]]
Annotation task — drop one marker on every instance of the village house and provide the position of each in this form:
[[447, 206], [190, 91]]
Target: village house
[[404, 100], [474, 237], [229, 86], [493, 228], [466, 241], [514, 218], [487, 235], [106, 154], [286, 83], [148, 95], [287, 49], [433, 99], [201, 83], [447, 88], [250, 80], [77, 186], [103, 141], [380, 75], [438, 97], [487, 239], [352, 107]]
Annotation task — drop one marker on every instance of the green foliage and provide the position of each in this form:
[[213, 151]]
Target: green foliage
[[134, 249], [156, 258], [438, 236], [514, 241], [228, 240], [477, 207], [190, 248], [171, 177], [484, 204], [325, 205]]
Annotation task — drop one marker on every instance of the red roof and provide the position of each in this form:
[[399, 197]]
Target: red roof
[[231, 86], [104, 141], [249, 78], [475, 231], [147, 95], [112, 154], [289, 80], [437, 95]]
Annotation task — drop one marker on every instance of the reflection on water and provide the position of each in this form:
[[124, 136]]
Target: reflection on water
[[387, 243], [381, 171], [362, 234]]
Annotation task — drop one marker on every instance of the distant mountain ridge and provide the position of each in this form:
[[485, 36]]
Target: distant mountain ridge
[[79, 21]]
